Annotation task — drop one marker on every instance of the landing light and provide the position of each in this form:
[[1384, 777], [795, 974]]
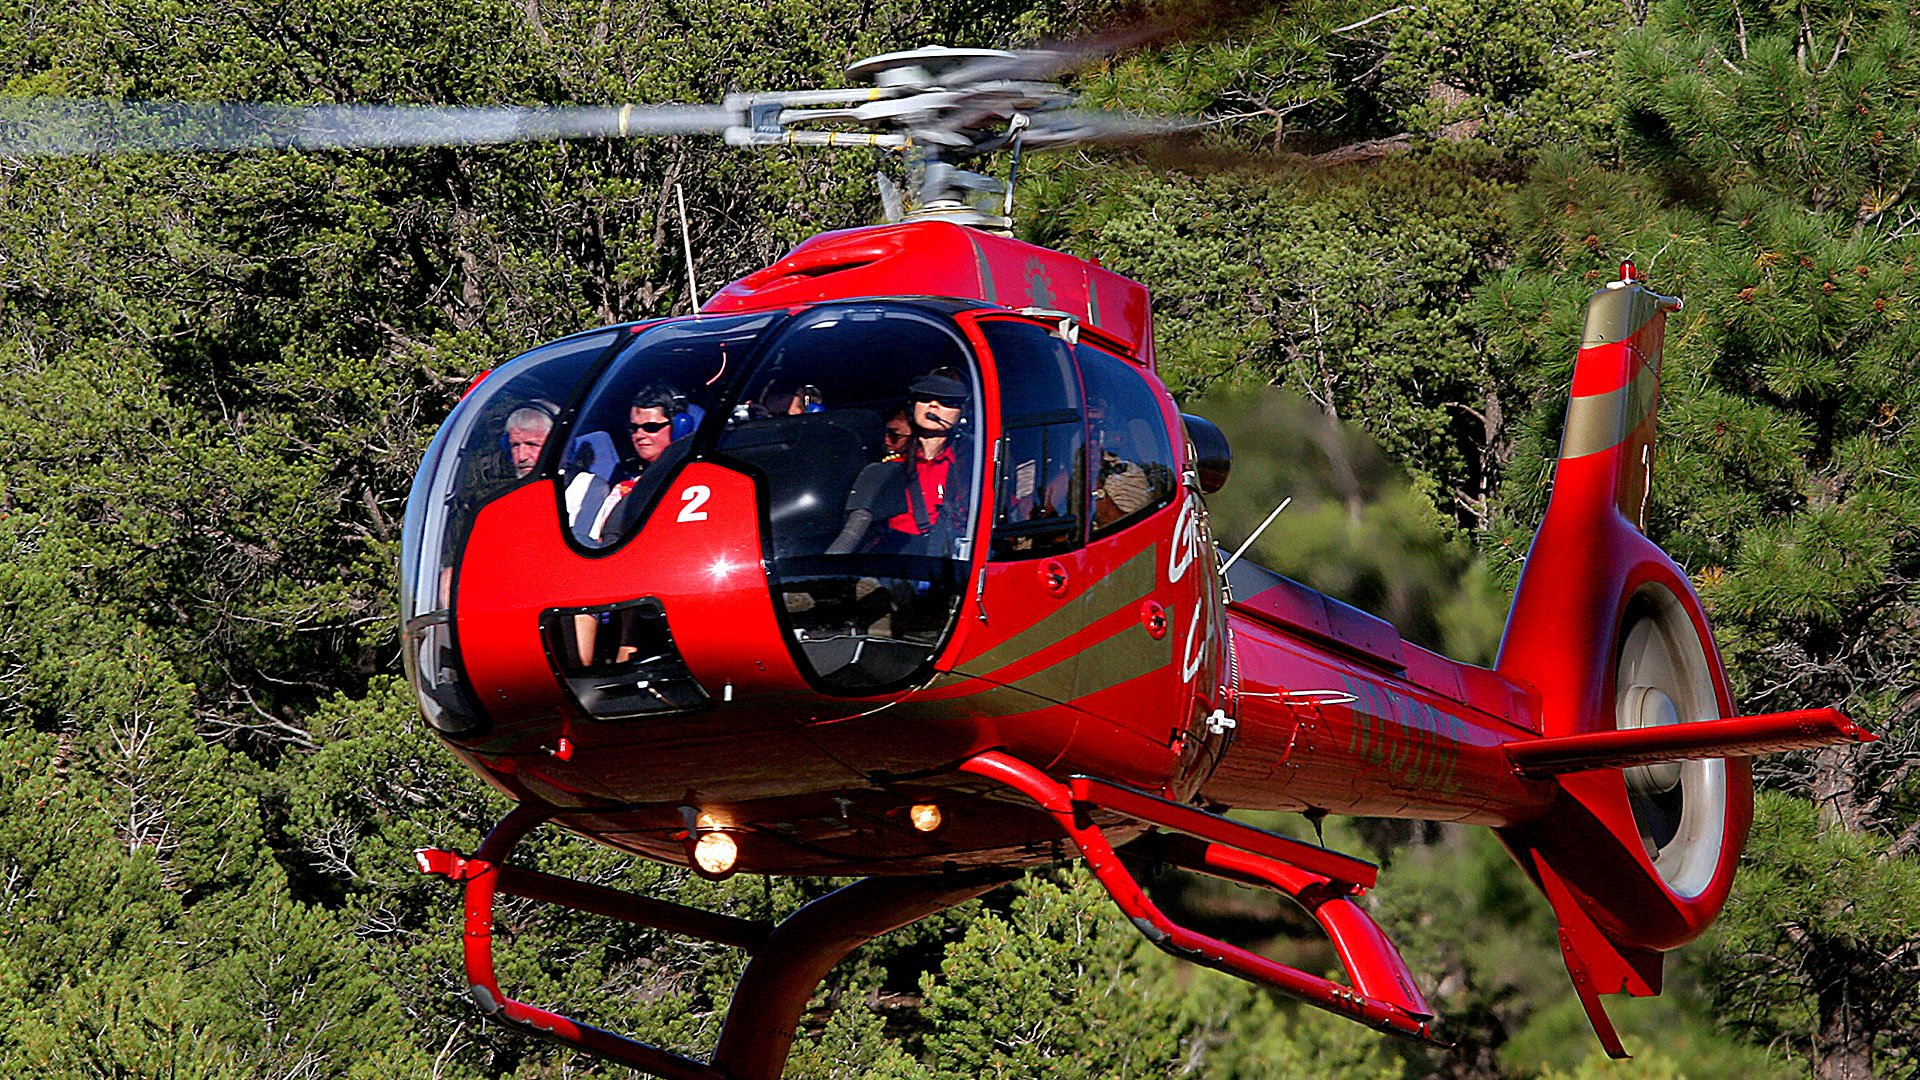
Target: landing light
[[715, 853], [721, 568], [925, 816]]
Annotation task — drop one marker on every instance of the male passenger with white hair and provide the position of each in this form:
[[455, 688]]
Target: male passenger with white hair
[[527, 429]]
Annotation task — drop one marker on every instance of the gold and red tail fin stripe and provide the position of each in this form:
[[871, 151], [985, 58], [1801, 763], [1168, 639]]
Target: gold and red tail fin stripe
[[1738, 736], [1616, 387]]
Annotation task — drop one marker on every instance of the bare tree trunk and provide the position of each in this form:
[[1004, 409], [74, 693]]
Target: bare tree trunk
[[1331, 437], [1845, 1047], [1833, 786]]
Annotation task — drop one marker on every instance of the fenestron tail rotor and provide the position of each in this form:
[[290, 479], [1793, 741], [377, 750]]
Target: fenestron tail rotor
[[941, 108]]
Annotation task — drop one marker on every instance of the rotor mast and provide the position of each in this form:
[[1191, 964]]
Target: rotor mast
[[941, 109]]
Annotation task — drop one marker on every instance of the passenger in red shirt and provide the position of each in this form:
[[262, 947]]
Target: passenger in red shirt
[[910, 495]]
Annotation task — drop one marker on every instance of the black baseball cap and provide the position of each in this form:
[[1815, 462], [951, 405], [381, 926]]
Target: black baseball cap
[[940, 387]]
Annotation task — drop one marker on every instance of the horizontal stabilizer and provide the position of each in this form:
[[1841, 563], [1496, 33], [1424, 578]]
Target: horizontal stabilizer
[[1738, 736]]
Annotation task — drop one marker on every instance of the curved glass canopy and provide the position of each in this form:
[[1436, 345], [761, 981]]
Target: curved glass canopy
[[859, 422]]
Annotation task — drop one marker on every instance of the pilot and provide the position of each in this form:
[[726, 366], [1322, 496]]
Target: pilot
[[526, 431], [908, 496]]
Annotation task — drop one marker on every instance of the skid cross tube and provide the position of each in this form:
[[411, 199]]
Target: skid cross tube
[[1401, 1013], [788, 960]]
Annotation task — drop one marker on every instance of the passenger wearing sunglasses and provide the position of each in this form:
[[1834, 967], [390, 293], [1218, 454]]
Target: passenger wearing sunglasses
[[609, 638], [650, 430]]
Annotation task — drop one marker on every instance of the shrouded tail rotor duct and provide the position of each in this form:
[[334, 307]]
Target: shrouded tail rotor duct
[[1664, 676]]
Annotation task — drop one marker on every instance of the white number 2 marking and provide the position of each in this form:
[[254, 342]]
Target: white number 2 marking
[[695, 497]]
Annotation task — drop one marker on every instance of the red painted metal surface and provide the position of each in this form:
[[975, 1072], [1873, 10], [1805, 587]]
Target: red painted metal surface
[[482, 877], [1319, 730], [932, 258], [1385, 1014], [1739, 736], [1353, 875], [1366, 953]]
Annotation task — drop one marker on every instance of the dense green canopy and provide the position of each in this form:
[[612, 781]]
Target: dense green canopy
[[217, 373]]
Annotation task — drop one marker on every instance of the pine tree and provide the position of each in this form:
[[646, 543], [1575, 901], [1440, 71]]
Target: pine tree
[[1775, 149]]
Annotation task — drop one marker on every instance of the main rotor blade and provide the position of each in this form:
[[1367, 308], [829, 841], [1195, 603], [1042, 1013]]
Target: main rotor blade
[[1069, 126], [43, 127]]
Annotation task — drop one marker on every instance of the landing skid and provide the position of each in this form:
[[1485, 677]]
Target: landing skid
[[788, 959], [1382, 996]]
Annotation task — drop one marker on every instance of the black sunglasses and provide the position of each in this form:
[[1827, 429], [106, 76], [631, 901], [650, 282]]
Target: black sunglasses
[[945, 403], [651, 427]]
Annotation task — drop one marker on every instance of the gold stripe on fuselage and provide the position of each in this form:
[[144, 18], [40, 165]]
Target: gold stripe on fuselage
[[1130, 582]]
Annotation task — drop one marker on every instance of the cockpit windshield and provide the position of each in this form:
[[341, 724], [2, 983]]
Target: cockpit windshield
[[493, 443], [863, 421], [640, 419]]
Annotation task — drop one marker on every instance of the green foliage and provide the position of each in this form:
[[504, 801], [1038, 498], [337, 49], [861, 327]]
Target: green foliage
[[217, 374], [1050, 988], [1356, 528], [1518, 76], [1350, 294], [1672, 1035], [1246, 1034], [1771, 185], [1818, 106], [125, 1023], [1822, 915]]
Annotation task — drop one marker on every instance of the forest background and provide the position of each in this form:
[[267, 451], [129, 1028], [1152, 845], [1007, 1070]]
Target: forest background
[[217, 374]]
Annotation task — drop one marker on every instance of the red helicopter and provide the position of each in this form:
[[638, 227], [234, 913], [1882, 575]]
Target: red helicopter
[[894, 562]]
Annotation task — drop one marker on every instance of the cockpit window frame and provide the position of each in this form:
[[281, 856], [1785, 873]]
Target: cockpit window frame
[[428, 522], [1162, 471], [1070, 415], [699, 442]]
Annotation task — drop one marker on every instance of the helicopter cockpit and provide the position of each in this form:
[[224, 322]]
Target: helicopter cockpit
[[868, 550], [866, 542]]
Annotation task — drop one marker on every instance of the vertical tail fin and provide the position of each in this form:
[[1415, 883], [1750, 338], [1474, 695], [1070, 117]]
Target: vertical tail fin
[[1609, 632], [1560, 634]]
